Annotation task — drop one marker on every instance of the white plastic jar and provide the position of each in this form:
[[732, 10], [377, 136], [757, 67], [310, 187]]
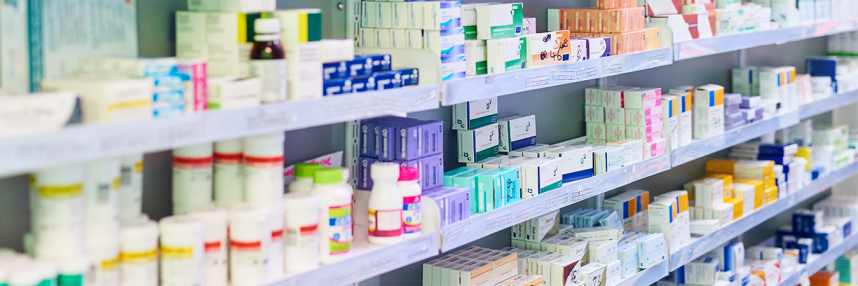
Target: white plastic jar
[[275, 249], [249, 240], [215, 221], [412, 215], [303, 183], [385, 205], [102, 249], [182, 246], [335, 206], [131, 190], [192, 177], [300, 232], [73, 271], [263, 168], [57, 207], [48, 270], [26, 275], [138, 254], [101, 196], [228, 172]]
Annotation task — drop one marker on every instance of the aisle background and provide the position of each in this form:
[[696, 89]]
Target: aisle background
[[558, 110]]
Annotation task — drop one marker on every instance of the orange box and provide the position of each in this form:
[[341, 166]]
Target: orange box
[[593, 23], [638, 38], [604, 17], [581, 21], [626, 20]]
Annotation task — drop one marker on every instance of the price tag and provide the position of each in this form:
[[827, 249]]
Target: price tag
[[556, 202], [181, 133], [498, 221], [564, 75], [273, 118], [612, 69], [535, 81], [656, 60], [452, 235], [527, 213], [588, 72], [51, 150], [126, 141]]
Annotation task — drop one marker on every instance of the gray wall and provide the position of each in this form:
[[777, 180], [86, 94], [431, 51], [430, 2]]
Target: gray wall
[[558, 111]]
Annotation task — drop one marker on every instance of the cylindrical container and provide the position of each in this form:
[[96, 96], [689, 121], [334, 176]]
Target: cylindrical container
[[335, 209], [300, 232], [102, 249], [138, 254], [275, 250], [385, 205], [131, 191], [263, 168], [228, 172], [249, 239], [49, 272], [192, 177], [4, 275], [54, 251], [26, 275], [268, 61], [215, 220], [412, 216], [73, 271], [57, 206], [101, 196], [304, 178], [430, 214], [182, 246]]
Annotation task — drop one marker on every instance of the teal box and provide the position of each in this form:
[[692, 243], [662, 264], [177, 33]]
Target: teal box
[[448, 176], [511, 185], [489, 184], [469, 180]]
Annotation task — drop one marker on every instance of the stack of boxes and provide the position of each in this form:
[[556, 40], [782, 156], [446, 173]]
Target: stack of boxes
[[752, 109], [474, 266], [627, 117], [363, 73], [684, 129], [831, 148], [633, 208], [777, 87], [407, 141], [708, 111], [669, 214], [733, 117], [619, 23], [500, 25], [788, 172]]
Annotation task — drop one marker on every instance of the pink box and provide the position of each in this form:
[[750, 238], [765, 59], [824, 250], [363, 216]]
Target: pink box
[[643, 117], [648, 133], [655, 148], [194, 86], [642, 98], [613, 96]]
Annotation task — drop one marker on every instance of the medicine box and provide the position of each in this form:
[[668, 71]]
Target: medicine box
[[644, 116], [597, 47], [631, 150], [564, 269], [604, 251], [642, 98], [702, 271], [444, 43], [594, 233], [592, 274], [497, 21], [607, 159], [506, 54], [478, 144], [540, 176], [615, 132], [517, 132], [549, 48], [441, 15], [576, 162], [109, 100], [489, 191], [474, 114], [655, 148], [596, 131], [613, 96], [595, 114], [475, 53], [651, 250], [648, 133], [708, 111]]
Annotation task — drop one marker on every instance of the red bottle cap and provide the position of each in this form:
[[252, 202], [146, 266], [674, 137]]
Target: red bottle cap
[[408, 173]]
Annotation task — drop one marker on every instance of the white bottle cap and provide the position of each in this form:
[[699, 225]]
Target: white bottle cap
[[267, 26], [51, 250], [264, 145], [139, 236], [384, 172], [248, 223], [180, 225], [60, 175], [301, 203], [214, 219], [74, 266], [47, 268], [25, 276], [194, 151], [228, 146]]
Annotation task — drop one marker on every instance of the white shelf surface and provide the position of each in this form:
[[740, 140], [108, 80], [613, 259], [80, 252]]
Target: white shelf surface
[[367, 261], [647, 276], [701, 245], [491, 85], [728, 43], [482, 225], [87, 142], [818, 261], [703, 147], [828, 104]]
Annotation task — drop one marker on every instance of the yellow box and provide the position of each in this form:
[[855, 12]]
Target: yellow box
[[737, 207], [771, 195], [653, 38], [728, 183], [807, 154], [721, 166], [759, 191]]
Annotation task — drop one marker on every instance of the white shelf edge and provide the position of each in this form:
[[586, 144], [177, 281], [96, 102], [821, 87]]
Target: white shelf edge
[[818, 261], [734, 42], [492, 85], [704, 244], [88, 142], [703, 147], [647, 276], [367, 261], [828, 104], [482, 225]]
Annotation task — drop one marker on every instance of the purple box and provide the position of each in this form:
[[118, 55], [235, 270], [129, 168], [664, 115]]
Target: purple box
[[385, 139], [734, 119], [746, 102], [733, 110], [335, 70], [364, 179], [734, 125], [430, 169], [417, 138], [732, 99], [410, 76], [363, 83], [380, 62], [366, 139], [453, 203], [597, 47], [387, 80], [752, 115]]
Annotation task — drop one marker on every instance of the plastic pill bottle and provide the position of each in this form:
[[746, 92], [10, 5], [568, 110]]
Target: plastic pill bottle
[[215, 223], [385, 205], [228, 172], [411, 201], [138, 254], [335, 209], [263, 168], [249, 240], [300, 232], [304, 177], [182, 246], [192, 177]]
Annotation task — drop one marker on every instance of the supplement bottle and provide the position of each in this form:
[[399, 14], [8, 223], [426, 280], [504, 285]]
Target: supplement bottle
[[275, 250], [101, 196], [57, 207], [304, 177], [249, 240], [300, 232], [182, 246], [102, 249], [131, 190], [214, 220], [385, 205], [192, 177], [138, 254], [411, 201], [263, 168], [27, 275], [268, 60], [73, 271], [48, 270], [228, 172], [335, 205]]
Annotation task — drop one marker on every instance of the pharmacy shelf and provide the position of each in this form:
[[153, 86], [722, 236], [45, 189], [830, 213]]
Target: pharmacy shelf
[[88, 142], [492, 85], [701, 245], [482, 225], [647, 276], [728, 43], [828, 104], [367, 261], [699, 148], [818, 261]]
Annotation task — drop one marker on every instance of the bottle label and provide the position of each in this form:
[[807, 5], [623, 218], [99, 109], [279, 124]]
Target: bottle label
[[106, 272], [304, 237], [228, 158], [385, 223], [178, 266], [192, 162], [263, 162], [339, 232], [272, 74], [248, 256], [139, 268], [411, 217]]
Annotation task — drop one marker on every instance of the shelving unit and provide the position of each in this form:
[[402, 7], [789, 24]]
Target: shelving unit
[[83, 143], [818, 261]]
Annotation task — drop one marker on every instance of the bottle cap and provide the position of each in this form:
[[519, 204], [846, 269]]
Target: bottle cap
[[74, 266], [328, 176], [384, 171], [407, 173], [47, 268], [306, 170], [266, 26], [25, 275], [139, 235], [180, 225]]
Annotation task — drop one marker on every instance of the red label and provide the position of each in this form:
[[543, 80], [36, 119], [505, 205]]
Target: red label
[[309, 229], [272, 161], [228, 158], [277, 234], [245, 246], [213, 246], [385, 223], [191, 162]]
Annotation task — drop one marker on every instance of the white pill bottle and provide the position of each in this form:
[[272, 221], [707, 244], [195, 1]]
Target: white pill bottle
[[335, 209], [303, 183], [301, 232], [412, 216], [385, 205]]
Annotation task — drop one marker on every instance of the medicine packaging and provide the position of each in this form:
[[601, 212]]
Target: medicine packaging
[[615, 132], [469, 19], [708, 111], [497, 21], [702, 271], [595, 114], [506, 54], [475, 53], [705, 226], [651, 250], [540, 176], [517, 132], [576, 162], [631, 150], [474, 114], [607, 159], [551, 48]]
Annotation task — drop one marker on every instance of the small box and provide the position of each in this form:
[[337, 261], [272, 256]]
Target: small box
[[702, 271], [506, 54], [651, 250], [545, 49], [475, 53], [231, 93], [477, 144], [445, 43], [592, 274], [615, 132], [648, 133], [642, 98], [643, 116], [596, 131], [604, 251], [631, 150], [564, 269], [498, 21], [441, 15], [595, 233], [593, 96], [705, 226], [613, 96], [708, 111], [540, 176], [475, 114], [517, 132], [595, 114], [576, 163]]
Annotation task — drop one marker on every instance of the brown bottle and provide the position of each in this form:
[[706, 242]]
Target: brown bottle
[[268, 60]]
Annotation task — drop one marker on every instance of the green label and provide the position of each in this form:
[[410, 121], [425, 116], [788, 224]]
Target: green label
[[71, 280], [484, 154], [483, 121], [550, 187], [470, 32], [482, 67]]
